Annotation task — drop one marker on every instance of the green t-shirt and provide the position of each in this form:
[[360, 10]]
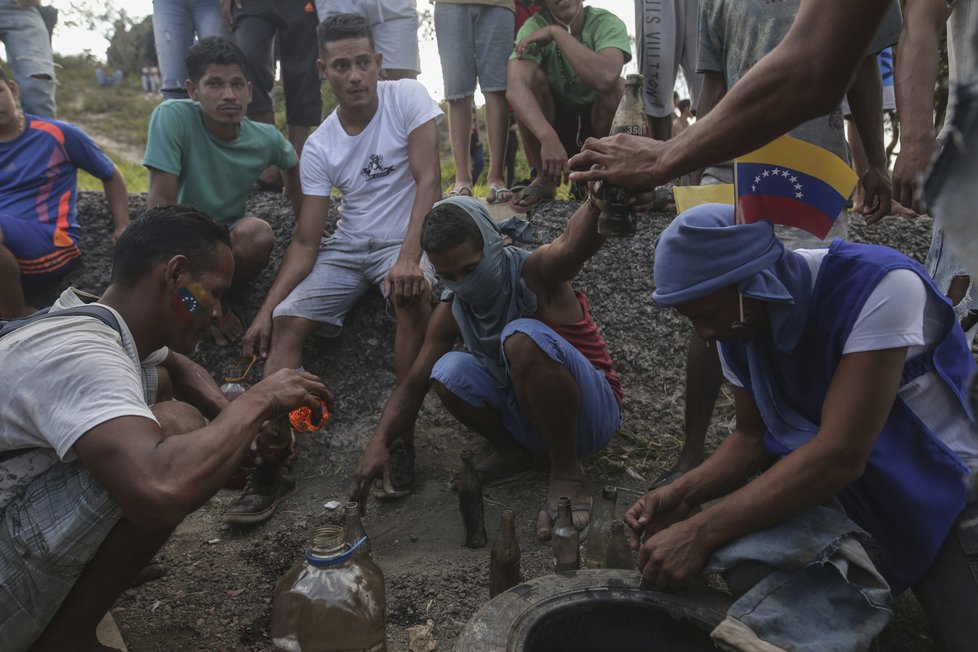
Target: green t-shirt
[[602, 29], [215, 175]]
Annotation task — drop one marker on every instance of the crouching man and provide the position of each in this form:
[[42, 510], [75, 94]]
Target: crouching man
[[535, 375], [94, 472], [842, 482]]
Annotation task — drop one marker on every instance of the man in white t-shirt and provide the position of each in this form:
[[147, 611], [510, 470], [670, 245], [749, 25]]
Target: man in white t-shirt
[[97, 466], [850, 373], [379, 148]]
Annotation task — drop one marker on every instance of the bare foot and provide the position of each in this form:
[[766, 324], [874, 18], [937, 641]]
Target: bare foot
[[578, 489]]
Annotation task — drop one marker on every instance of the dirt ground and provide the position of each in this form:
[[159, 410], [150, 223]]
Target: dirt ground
[[219, 584]]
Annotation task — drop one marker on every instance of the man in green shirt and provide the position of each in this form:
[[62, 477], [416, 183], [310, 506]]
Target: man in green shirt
[[564, 84], [205, 152]]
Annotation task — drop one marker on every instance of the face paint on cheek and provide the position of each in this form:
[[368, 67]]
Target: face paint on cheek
[[186, 305]]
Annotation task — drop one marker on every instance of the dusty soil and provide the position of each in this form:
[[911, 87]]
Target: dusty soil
[[218, 589]]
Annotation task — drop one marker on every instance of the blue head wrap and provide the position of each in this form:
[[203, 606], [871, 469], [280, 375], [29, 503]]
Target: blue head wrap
[[703, 252]]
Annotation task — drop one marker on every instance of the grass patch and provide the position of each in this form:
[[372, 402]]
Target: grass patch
[[136, 176]]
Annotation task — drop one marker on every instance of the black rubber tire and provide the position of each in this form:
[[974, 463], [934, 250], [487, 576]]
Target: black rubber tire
[[504, 623]]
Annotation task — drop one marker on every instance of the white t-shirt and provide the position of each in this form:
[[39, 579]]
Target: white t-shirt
[[900, 312], [371, 169], [61, 378]]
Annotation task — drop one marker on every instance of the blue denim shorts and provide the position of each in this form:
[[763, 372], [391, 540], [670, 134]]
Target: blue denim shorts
[[598, 415], [343, 272], [473, 41]]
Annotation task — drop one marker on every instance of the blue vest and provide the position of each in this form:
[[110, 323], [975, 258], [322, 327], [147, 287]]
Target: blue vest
[[912, 489]]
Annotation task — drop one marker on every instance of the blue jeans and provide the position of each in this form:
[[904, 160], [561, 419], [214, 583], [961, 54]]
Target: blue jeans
[[175, 24], [30, 58]]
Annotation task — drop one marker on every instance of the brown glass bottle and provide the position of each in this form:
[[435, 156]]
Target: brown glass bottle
[[565, 539], [618, 554], [601, 517], [504, 558], [330, 600], [470, 503], [617, 218], [354, 529]]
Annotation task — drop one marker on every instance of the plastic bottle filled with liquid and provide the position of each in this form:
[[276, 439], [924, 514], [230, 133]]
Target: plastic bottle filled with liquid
[[332, 600]]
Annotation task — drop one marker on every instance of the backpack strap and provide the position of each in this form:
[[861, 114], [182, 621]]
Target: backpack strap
[[101, 313]]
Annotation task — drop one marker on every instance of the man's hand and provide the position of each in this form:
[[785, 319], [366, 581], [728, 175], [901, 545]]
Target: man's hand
[[653, 512], [623, 159], [405, 283], [874, 195], [226, 11], [288, 389], [671, 557], [535, 41], [375, 462], [908, 171], [117, 232], [553, 160], [258, 336]]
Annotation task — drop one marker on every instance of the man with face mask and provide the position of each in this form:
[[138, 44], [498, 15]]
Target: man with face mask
[[535, 375]]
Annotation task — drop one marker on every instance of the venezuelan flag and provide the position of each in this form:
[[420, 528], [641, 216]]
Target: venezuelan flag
[[791, 182]]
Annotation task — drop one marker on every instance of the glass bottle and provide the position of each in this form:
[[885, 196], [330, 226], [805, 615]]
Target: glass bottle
[[354, 529], [237, 380], [470, 503], [619, 555], [565, 539], [330, 600], [504, 558], [617, 218], [601, 517]]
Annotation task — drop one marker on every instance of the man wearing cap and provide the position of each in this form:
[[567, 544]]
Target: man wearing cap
[[851, 428]]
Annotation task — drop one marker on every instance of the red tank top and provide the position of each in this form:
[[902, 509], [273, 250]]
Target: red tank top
[[584, 337]]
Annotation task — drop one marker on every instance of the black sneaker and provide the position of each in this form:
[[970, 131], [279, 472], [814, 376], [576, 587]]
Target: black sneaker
[[256, 504], [402, 472]]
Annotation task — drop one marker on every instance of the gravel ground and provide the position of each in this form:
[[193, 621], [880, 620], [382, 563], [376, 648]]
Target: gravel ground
[[218, 589]]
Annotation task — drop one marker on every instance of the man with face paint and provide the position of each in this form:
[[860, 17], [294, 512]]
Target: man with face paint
[[97, 464], [851, 424], [535, 376]]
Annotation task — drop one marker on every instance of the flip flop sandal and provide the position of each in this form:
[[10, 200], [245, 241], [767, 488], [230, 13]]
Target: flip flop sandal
[[229, 329], [499, 195], [536, 194], [464, 191]]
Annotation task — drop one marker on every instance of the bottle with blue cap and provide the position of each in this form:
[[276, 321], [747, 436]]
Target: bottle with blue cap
[[332, 599]]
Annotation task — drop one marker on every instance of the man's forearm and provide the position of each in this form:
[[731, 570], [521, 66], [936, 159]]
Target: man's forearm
[[827, 40], [594, 69], [427, 194], [527, 108], [194, 385], [117, 197], [866, 102], [916, 69]]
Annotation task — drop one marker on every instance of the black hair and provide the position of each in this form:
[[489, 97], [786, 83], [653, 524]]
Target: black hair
[[213, 50], [684, 104], [340, 27], [163, 232], [446, 226]]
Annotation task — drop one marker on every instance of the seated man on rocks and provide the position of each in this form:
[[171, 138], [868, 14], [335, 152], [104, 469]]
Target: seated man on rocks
[[535, 376], [564, 84], [204, 151], [852, 436], [96, 468], [39, 231], [379, 148]]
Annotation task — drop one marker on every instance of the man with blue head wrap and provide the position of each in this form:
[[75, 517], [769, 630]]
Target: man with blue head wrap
[[535, 375], [849, 370]]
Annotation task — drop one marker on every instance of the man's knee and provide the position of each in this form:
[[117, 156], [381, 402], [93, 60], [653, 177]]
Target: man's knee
[[178, 418], [288, 330], [252, 240], [522, 352], [164, 385]]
